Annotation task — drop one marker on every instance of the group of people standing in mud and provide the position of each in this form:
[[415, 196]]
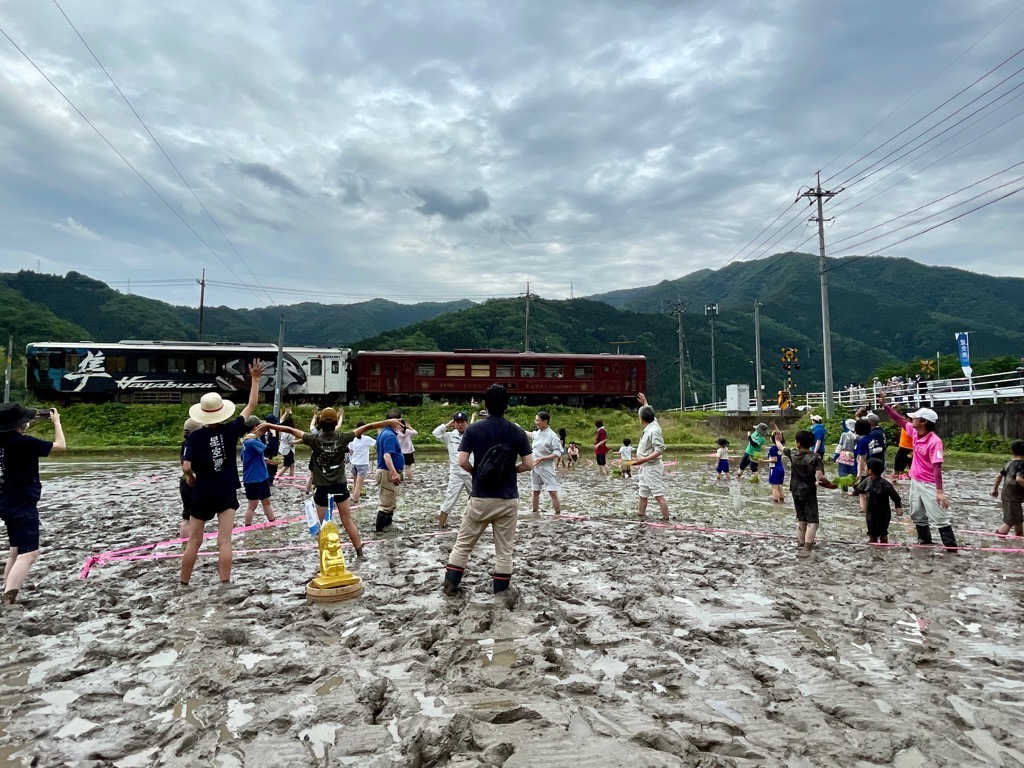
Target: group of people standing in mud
[[484, 457]]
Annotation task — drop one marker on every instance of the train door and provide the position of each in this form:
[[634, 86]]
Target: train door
[[316, 376], [392, 376], [334, 376]]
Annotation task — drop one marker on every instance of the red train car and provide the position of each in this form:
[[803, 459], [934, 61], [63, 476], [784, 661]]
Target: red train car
[[532, 378]]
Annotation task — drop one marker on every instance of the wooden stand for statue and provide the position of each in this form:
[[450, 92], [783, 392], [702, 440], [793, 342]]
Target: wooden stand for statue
[[335, 582]]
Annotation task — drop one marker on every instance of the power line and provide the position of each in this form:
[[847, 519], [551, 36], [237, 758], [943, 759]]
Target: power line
[[160, 147], [118, 153]]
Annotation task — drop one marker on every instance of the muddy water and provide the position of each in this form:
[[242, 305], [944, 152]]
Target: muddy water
[[628, 645]]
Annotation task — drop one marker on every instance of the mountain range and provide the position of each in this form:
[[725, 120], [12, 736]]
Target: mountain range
[[882, 310]]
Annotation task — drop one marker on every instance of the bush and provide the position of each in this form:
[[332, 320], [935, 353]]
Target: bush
[[982, 443]]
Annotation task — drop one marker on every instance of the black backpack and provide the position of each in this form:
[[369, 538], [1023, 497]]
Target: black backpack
[[495, 466]]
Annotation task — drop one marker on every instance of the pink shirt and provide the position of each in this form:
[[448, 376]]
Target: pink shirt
[[927, 450]]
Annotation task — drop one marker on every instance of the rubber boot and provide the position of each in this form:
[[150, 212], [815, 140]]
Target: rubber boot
[[948, 537], [501, 581], [924, 535], [383, 520], [452, 579]]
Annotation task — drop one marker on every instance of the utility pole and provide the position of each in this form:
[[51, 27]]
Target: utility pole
[[757, 354], [712, 311], [820, 194], [279, 368], [202, 301], [526, 340], [678, 308], [7, 368]]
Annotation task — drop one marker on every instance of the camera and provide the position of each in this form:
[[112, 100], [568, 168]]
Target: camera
[[43, 413]]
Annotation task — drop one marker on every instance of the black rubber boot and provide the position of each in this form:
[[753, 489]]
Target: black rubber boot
[[383, 520], [924, 535], [452, 579], [948, 537], [501, 581]]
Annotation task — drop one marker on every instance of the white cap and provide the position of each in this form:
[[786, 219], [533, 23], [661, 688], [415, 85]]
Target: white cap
[[924, 413], [815, 417]]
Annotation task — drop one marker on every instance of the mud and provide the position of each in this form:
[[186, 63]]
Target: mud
[[623, 644]]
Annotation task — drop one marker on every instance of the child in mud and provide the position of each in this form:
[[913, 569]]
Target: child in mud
[[327, 465], [1011, 477], [20, 489], [287, 446], [572, 454], [877, 490], [808, 473], [722, 455], [626, 458], [776, 470], [359, 460], [212, 471], [255, 472], [756, 438]]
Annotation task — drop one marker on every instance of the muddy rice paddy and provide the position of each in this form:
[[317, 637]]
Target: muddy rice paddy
[[628, 644]]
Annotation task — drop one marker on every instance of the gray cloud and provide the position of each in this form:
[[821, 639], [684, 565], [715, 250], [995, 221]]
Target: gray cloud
[[528, 137], [270, 177], [437, 202]]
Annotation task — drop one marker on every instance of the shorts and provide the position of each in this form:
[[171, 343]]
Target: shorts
[[257, 491], [651, 480], [23, 529], [410, 458], [878, 523], [542, 477], [777, 476], [185, 491], [601, 459], [722, 466], [360, 470], [323, 492], [806, 505], [1012, 514], [288, 459], [207, 509], [747, 461]]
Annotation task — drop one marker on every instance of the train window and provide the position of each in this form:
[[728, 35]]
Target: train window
[[504, 370], [480, 370], [176, 365], [143, 365], [528, 371], [43, 361], [71, 361], [206, 365], [114, 363], [316, 367], [455, 369], [335, 366], [375, 369], [583, 372], [424, 369], [553, 372]]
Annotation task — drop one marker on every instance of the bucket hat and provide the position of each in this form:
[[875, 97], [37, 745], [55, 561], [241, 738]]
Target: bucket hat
[[13, 415]]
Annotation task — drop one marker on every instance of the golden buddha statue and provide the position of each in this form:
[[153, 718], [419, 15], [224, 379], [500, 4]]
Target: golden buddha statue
[[335, 581]]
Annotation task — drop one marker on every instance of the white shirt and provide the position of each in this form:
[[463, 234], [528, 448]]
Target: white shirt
[[545, 443], [405, 440], [452, 440], [650, 442], [626, 452], [360, 449], [287, 443]]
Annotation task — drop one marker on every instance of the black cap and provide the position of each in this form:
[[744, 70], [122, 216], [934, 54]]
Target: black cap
[[460, 416]]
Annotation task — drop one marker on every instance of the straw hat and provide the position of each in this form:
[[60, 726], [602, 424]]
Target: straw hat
[[212, 409]]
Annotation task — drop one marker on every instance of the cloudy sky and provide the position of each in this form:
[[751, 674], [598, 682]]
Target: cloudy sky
[[434, 150]]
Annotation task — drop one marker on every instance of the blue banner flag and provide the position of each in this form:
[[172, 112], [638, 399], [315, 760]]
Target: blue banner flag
[[963, 347]]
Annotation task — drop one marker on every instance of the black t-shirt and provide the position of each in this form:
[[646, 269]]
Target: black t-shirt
[[327, 465], [480, 436], [212, 451], [1011, 491], [805, 465], [879, 491], [19, 468]]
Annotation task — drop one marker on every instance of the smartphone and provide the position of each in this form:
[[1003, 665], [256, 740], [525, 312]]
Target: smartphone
[[43, 413]]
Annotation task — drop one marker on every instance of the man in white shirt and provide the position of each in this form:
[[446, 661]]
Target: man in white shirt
[[547, 447], [359, 451], [459, 480], [651, 468]]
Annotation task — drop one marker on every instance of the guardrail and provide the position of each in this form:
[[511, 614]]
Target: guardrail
[[992, 388]]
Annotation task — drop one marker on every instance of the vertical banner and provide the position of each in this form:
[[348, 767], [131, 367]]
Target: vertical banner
[[963, 347]]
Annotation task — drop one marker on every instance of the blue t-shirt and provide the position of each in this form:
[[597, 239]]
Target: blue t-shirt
[[19, 470], [212, 451], [862, 449], [820, 434], [777, 474], [480, 436], [254, 468], [387, 442]]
